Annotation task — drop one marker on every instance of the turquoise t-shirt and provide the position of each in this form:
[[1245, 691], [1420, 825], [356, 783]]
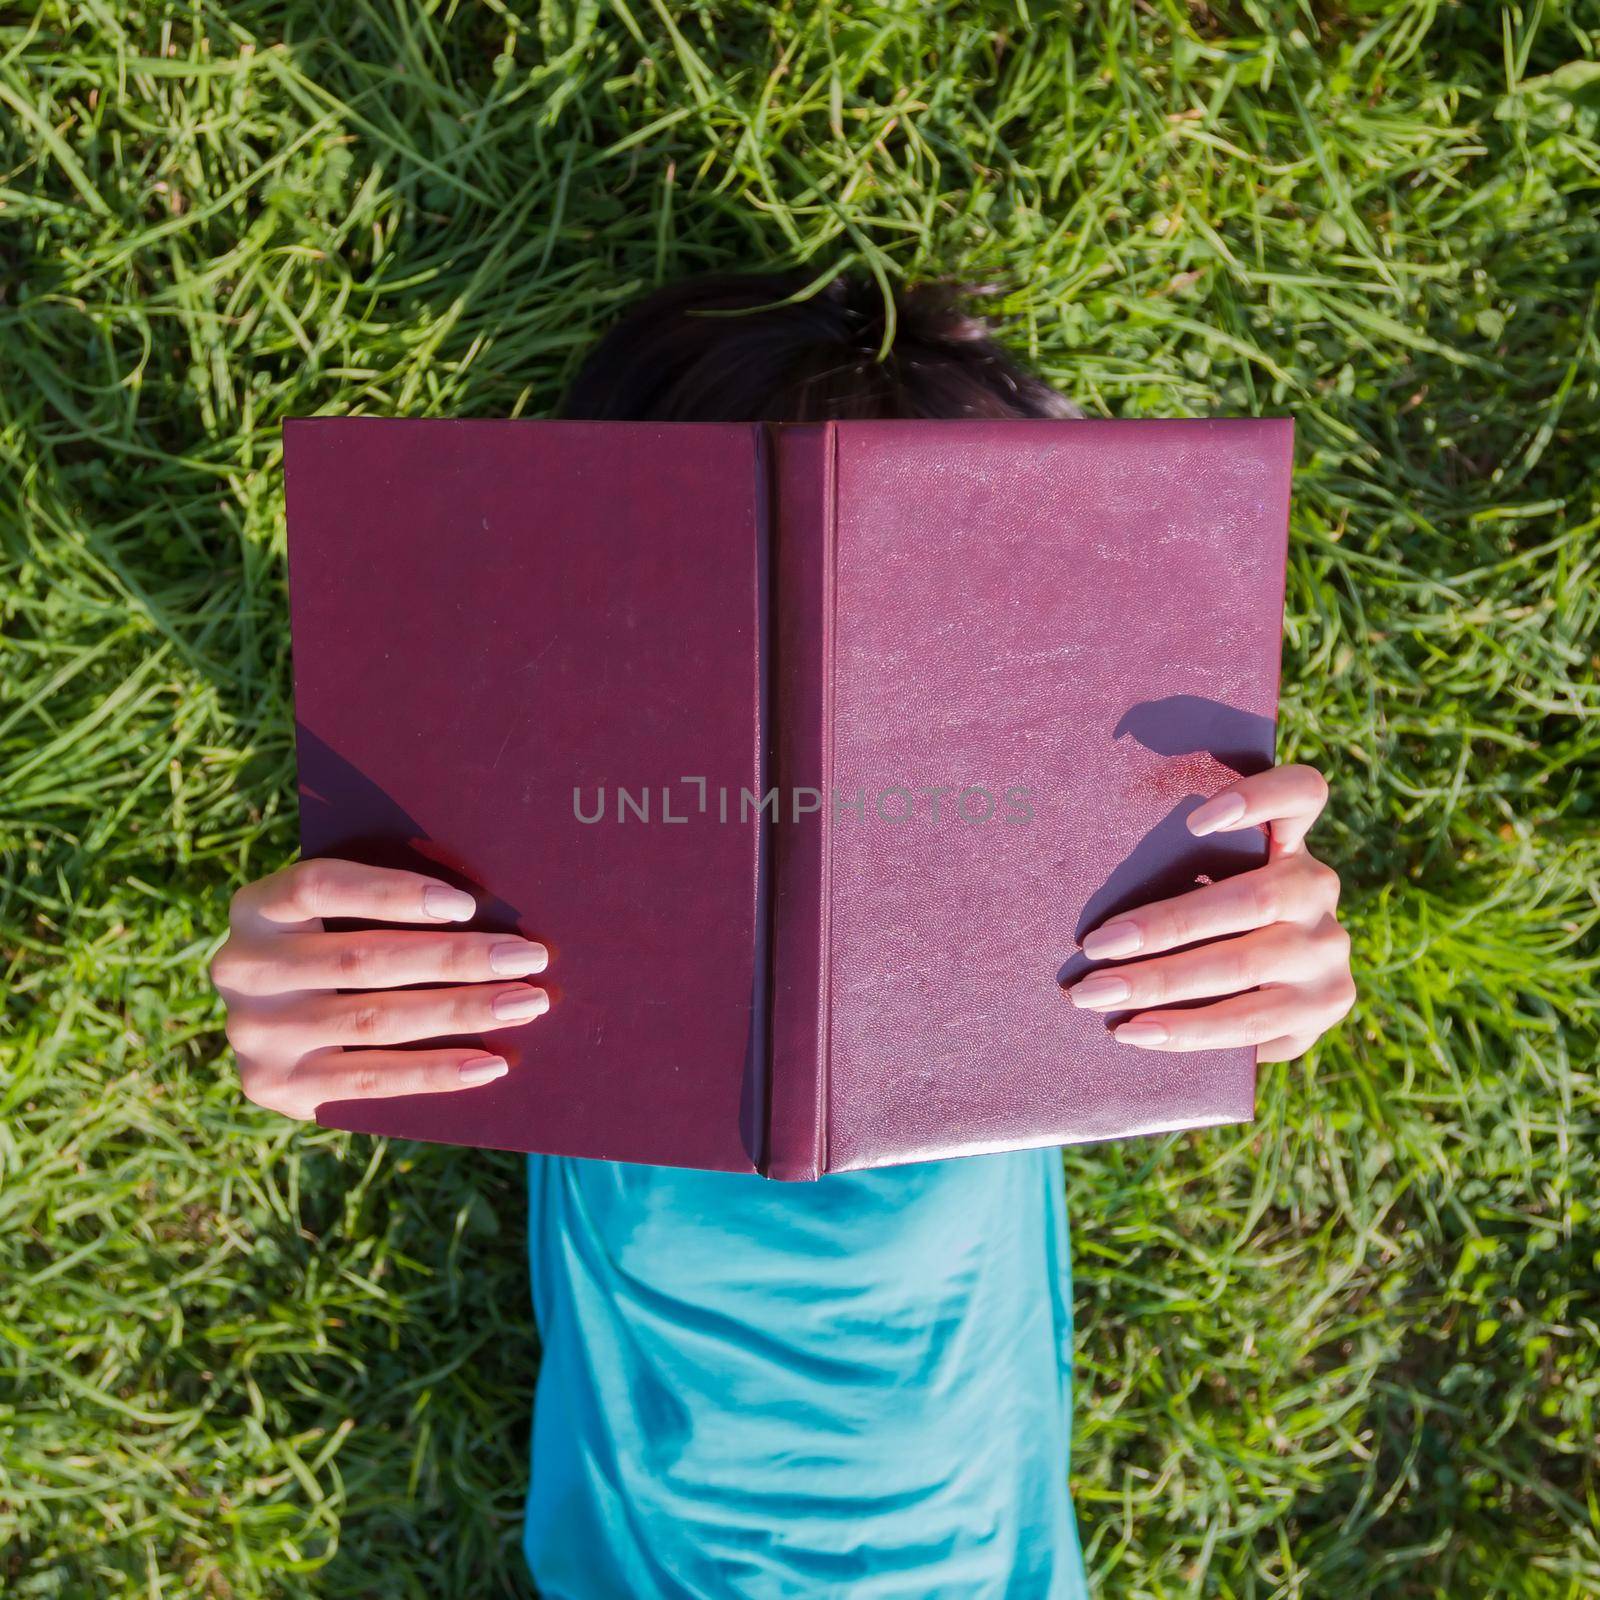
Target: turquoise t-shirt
[[757, 1390]]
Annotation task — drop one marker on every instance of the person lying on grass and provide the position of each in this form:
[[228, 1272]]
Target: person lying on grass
[[859, 1386]]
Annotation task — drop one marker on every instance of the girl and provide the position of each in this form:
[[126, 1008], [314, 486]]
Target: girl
[[859, 1386]]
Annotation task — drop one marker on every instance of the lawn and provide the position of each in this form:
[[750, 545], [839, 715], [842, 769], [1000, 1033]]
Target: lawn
[[1353, 1350]]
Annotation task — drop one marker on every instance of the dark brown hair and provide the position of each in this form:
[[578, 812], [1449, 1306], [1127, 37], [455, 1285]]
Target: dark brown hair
[[725, 348]]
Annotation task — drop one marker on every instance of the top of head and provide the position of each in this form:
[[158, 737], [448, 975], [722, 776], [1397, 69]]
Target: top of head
[[743, 348]]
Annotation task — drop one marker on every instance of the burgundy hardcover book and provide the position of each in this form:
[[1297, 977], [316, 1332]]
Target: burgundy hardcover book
[[811, 752]]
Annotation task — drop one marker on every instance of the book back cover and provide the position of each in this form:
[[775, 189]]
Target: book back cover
[[513, 642]]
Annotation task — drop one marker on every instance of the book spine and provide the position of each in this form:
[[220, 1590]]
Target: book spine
[[802, 565]]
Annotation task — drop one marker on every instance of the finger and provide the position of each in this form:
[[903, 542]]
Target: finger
[[385, 1074], [293, 961], [404, 1015], [1298, 888], [328, 887], [1263, 1014], [1285, 1049], [1283, 953], [1287, 799]]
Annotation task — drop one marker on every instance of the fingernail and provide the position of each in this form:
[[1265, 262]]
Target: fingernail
[[483, 1069], [1114, 940], [519, 958], [1099, 992], [1216, 814], [519, 1005], [450, 905], [1140, 1033]]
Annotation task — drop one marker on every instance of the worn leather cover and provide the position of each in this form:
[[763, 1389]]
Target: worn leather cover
[[1061, 634], [1088, 611]]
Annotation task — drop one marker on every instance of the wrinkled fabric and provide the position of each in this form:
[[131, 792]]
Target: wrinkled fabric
[[854, 1387]]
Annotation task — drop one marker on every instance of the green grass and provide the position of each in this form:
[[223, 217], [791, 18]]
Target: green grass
[[1351, 1351]]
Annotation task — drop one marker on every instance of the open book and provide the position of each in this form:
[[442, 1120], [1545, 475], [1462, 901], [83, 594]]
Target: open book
[[811, 752]]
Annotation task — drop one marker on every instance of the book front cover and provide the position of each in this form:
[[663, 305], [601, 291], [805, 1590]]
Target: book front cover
[[1051, 640]]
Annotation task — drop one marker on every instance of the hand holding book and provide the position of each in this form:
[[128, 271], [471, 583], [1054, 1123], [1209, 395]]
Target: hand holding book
[[1264, 947], [315, 1015]]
